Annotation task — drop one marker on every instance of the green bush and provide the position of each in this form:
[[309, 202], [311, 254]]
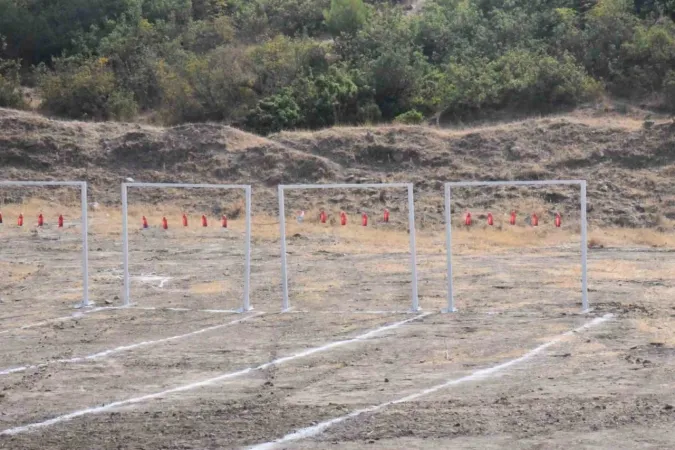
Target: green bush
[[346, 16], [10, 85], [84, 90], [297, 17], [518, 80], [412, 117], [669, 90], [274, 113], [218, 86]]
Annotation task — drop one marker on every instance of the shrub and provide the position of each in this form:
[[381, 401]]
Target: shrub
[[297, 17], [345, 16], [274, 113], [10, 85], [217, 86], [84, 90], [412, 117], [669, 90], [519, 79]]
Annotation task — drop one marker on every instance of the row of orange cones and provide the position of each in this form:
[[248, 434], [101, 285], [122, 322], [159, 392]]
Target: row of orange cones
[[534, 220], [40, 222], [165, 222], [323, 217]]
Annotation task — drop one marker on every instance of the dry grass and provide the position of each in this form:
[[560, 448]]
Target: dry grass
[[660, 330], [17, 272], [354, 238], [213, 287], [641, 237]]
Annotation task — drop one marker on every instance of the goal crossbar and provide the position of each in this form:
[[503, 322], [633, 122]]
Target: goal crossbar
[[85, 225], [584, 228], [411, 225], [246, 303]]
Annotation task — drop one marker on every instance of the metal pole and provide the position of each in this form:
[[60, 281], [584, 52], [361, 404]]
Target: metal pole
[[448, 244], [247, 270], [125, 245], [282, 230], [85, 246], [584, 250], [413, 248]]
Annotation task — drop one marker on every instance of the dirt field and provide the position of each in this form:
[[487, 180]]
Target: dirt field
[[504, 372]]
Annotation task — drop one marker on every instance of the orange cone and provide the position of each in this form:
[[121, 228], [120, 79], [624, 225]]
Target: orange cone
[[512, 220], [467, 219], [205, 223], [535, 220], [343, 218], [386, 216], [185, 220], [60, 221], [41, 220], [490, 219], [145, 222], [165, 223], [323, 216], [224, 221], [19, 221], [558, 220], [364, 219], [0, 218]]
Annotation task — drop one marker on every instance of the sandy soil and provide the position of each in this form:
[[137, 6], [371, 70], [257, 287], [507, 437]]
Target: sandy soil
[[607, 387]]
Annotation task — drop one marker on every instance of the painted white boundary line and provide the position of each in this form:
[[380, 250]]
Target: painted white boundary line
[[163, 308], [208, 382], [83, 313], [76, 315], [124, 348], [476, 376]]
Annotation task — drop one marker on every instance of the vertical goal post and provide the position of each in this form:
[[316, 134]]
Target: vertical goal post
[[246, 303], [411, 228], [84, 224], [584, 228]]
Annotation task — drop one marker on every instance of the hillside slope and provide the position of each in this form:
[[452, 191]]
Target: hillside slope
[[630, 169]]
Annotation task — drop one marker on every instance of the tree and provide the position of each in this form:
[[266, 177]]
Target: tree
[[346, 16]]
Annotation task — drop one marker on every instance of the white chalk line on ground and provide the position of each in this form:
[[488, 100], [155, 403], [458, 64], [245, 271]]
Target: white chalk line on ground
[[83, 313], [208, 382], [125, 348], [76, 315], [475, 376], [352, 312]]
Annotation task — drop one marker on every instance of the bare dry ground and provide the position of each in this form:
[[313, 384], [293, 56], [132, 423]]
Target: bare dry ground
[[179, 370], [190, 377]]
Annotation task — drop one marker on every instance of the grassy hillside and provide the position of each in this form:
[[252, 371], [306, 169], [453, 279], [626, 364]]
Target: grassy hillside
[[629, 168], [272, 65]]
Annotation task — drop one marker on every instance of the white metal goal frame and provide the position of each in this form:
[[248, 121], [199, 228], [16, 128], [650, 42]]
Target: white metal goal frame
[[85, 225], [584, 228], [246, 303], [411, 226]]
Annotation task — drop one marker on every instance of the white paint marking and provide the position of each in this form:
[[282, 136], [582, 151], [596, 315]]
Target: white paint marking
[[153, 279], [293, 311], [124, 348], [208, 382], [476, 376], [75, 315], [161, 308]]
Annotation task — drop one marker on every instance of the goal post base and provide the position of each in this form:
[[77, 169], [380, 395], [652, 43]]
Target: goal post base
[[83, 305]]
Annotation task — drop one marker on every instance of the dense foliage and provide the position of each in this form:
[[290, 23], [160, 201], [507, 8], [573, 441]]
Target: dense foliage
[[269, 65]]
